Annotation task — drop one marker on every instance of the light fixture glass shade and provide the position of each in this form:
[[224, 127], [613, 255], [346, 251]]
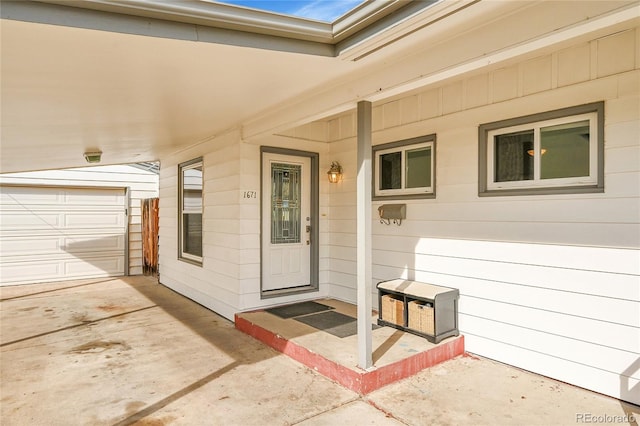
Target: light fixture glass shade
[[335, 172], [531, 152]]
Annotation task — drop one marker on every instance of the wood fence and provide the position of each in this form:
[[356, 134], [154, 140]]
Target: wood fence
[[150, 236]]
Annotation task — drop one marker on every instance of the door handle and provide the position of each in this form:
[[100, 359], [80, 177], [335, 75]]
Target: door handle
[[308, 228]]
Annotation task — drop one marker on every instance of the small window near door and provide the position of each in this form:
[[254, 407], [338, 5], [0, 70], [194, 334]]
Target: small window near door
[[554, 152], [405, 169], [190, 211]]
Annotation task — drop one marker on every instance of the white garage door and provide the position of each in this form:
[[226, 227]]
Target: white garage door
[[56, 233]]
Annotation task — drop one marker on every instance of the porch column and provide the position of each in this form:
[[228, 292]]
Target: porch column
[[363, 235]]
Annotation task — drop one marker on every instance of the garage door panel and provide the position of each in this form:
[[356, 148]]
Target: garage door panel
[[83, 220], [25, 195], [56, 270], [14, 248], [55, 208], [21, 195], [52, 234], [91, 267], [76, 245], [63, 221], [29, 220], [19, 273], [28, 246], [89, 197]]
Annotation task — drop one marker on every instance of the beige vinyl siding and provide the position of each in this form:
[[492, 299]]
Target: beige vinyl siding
[[548, 283], [228, 281], [142, 184], [213, 284]]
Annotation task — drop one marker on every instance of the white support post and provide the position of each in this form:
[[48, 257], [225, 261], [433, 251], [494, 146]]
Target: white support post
[[363, 237]]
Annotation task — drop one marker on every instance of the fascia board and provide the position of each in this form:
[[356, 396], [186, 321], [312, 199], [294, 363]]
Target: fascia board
[[362, 16], [372, 39], [213, 15], [362, 19], [75, 17], [369, 22]]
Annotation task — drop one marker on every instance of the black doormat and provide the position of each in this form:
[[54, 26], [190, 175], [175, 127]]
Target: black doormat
[[297, 309], [332, 322]]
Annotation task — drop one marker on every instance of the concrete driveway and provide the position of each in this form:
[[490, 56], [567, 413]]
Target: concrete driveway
[[120, 351]]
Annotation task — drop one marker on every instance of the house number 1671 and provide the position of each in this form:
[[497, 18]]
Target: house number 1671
[[250, 194]]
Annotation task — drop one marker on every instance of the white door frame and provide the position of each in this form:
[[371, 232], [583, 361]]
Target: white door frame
[[313, 222]]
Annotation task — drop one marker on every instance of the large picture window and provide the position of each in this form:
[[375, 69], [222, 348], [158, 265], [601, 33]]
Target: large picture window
[[190, 210], [555, 152], [405, 169]]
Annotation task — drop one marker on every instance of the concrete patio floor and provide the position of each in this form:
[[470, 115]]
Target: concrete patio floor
[[119, 351]]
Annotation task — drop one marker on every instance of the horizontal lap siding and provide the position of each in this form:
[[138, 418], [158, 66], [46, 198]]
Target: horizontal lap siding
[[141, 183], [213, 284], [228, 280], [533, 300], [549, 283]]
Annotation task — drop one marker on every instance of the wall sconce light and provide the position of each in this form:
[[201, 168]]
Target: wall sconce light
[[335, 172], [93, 157]]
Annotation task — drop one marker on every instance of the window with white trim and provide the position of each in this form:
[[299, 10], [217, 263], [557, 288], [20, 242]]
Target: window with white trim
[[405, 169], [190, 210], [555, 152]]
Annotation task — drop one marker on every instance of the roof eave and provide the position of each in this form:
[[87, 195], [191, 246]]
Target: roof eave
[[369, 18], [211, 14]]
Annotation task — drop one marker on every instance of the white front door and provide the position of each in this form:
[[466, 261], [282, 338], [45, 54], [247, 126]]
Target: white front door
[[286, 221]]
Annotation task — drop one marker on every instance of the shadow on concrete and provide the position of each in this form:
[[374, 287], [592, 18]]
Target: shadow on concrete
[[53, 290], [387, 345], [238, 348], [221, 334], [630, 392], [81, 324], [151, 409]]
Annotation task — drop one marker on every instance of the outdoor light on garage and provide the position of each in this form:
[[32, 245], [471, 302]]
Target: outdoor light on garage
[[92, 157]]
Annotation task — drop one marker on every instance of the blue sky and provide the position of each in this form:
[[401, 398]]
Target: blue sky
[[321, 10]]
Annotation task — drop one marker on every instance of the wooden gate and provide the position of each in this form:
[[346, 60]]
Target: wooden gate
[[150, 236]]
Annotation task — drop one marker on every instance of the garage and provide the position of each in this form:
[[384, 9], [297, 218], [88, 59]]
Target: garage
[[60, 233]]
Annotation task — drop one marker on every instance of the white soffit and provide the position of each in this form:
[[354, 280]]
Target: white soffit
[[67, 88]]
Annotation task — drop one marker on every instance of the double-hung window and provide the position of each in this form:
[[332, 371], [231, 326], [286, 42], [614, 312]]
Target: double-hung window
[[405, 169], [556, 152], [190, 210]]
